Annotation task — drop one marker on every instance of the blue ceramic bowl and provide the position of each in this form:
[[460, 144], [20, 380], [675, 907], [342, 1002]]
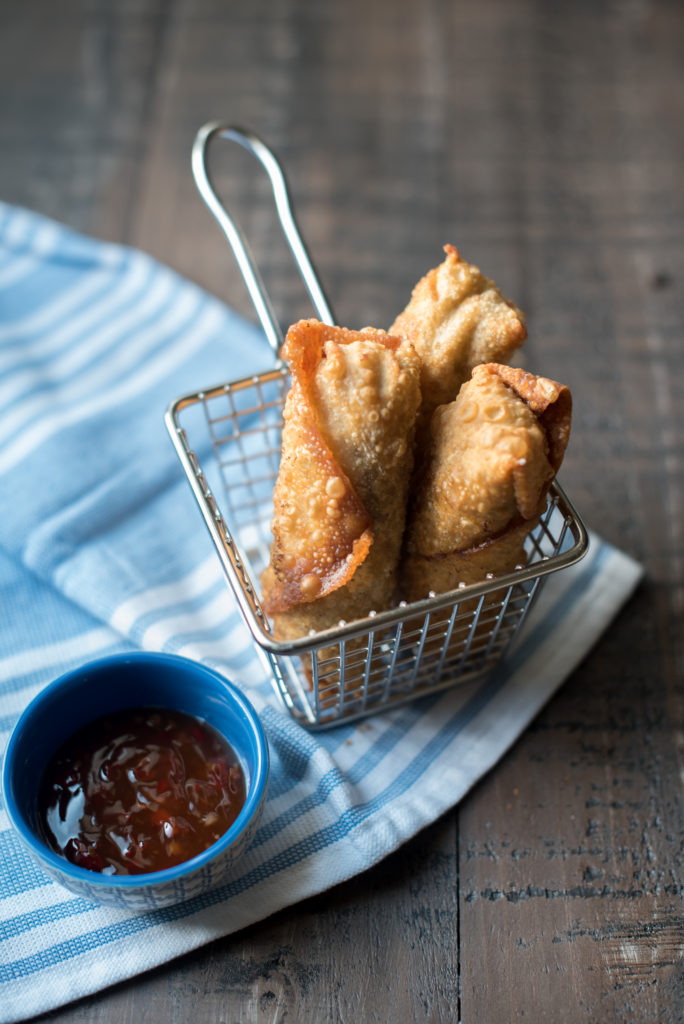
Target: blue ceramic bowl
[[111, 684]]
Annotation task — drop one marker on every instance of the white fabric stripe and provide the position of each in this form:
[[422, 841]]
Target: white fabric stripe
[[501, 721], [423, 729], [249, 678], [491, 731], [38, 658], [233, 644], [319, 764], [17, 226], [67, 363], [33, 324], [43, 897], [120, 358], [530, 676], [42, 936], [219, 609], [349, 855], [371, 785], [45, 241], [358, 818], [36, 325], [121, 392], [14, 703], [96, 969], [195, 583]]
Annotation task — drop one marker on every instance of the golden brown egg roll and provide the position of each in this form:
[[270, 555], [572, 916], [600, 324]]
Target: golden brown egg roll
[[341, 493], [456, 319], [495, 451]]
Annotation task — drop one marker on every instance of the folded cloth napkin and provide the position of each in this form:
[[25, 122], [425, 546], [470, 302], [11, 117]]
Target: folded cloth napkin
[[102, 550]]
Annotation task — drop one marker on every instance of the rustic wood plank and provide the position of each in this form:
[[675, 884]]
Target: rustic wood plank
[[571, 852], [76, 84], [381, 948], [572, 864]]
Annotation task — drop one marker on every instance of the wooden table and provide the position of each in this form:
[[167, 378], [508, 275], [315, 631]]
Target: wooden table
[[545, 140]]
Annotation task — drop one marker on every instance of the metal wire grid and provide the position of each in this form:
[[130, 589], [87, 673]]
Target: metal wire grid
[[387, 657], [382, 659]]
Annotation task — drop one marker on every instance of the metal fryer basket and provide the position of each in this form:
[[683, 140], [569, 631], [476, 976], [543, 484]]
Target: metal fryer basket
[[228, 440]]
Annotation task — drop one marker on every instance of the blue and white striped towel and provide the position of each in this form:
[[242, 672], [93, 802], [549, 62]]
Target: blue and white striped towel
[[102, 549]]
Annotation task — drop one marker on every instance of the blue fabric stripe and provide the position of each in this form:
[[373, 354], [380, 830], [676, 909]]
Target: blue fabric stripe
[[98, 320], [45, 915], [332, 781], [296, 852], [358, 813], [112, 517]]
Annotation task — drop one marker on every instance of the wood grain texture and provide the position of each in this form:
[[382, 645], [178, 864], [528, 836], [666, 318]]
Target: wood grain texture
[[545, 141]]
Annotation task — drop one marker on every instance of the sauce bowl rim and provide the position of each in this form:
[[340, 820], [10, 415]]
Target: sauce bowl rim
[[59, 864]]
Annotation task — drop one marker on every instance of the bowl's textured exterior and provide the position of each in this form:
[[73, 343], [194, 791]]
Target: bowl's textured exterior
[[135, 680]]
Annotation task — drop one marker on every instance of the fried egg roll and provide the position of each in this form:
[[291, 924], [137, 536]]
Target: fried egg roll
[[341, 493], [456, 319], [495, 451]]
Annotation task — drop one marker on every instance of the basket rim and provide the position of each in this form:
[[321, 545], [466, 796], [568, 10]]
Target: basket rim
[[248, 595]]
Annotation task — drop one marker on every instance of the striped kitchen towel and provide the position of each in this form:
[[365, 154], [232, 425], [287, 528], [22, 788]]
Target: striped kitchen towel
[[102, 550]]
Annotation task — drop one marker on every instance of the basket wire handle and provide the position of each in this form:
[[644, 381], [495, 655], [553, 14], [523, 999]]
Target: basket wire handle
[[233, 232]]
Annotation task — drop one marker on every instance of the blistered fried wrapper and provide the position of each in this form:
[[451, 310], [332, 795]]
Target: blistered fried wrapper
[[495, 451], [341, 492], [456, 319]]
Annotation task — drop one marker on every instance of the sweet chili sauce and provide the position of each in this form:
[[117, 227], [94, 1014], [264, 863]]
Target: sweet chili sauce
[[140, 790]]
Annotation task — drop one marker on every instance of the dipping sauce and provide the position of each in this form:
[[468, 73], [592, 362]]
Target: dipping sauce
[[140, 790]]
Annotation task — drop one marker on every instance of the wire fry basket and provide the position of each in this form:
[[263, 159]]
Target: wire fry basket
[[228, 440]]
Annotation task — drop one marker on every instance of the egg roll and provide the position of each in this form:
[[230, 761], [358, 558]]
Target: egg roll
[[341, 493], [456, 319], [495, 451]]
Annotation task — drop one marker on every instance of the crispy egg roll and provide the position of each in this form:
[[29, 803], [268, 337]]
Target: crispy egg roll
[[456, 319], [341, 493], [495, 451]]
